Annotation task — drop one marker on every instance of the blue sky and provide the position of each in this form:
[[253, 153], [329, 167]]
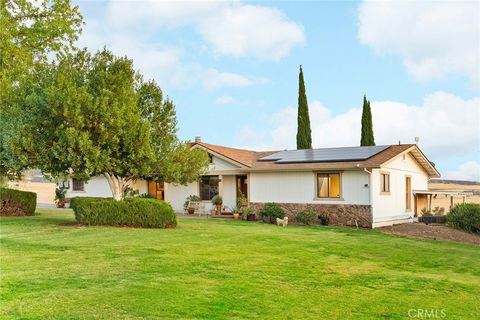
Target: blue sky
[[232, 70]]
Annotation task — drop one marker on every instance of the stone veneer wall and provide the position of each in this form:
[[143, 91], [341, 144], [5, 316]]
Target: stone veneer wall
[[339, 214]]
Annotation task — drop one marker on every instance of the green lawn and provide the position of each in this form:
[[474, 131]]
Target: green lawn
[[214, 269]]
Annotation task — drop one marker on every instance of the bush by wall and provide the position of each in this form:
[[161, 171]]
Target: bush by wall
[[131, 212], [465, 216], [307, 216], [271, 211], [17, 203]]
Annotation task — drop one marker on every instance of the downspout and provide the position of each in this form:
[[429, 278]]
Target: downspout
[[369, 185], [370, 192]]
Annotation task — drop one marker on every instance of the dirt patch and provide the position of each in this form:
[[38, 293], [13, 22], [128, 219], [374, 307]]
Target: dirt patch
[[433, 232]]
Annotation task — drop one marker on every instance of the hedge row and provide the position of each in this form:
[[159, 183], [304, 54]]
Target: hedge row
[[132, 212], [17, 203], [465, 216]]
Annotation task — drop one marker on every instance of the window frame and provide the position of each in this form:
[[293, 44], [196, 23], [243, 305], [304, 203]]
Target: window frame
[[340, 185], [384, 191], [200, 182], [74, 189]]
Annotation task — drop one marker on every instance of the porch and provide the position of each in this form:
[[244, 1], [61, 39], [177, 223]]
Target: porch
[[428, 199]]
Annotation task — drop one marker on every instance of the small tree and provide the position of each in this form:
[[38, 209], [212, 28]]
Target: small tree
[[304, 133], [93, 115], [367, 138]]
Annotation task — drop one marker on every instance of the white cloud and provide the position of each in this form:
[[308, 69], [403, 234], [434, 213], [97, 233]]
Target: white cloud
[[157, 61], [229, 28], [434, 38], [469, 171], [446, 124], [225, 100], [213, 79]]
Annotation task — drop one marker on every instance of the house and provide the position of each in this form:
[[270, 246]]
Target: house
[[365, 186]]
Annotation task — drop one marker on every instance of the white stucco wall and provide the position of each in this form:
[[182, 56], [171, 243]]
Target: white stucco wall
[[390, 208], [98, 187], [177, 194], [300, 187], [228, 191], [219, 164]]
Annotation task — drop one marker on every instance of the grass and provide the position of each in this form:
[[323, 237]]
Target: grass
[[212, 269]]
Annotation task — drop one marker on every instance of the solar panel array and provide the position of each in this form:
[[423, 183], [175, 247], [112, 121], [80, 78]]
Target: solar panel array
[[324, 155]]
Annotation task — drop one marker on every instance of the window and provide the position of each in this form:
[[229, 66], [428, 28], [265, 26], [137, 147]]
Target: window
[[408, 193], [384, 182], [77, 185], [208, 187], [328, 185]]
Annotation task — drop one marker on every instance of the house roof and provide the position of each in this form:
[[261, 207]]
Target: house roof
[[250, 159]]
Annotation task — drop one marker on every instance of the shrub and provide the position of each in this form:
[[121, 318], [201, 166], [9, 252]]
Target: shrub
[[247, 212], [465, 216], [307, 216], [242, 201], [132, 212], [60, 197], [271, 211], [17, 203]]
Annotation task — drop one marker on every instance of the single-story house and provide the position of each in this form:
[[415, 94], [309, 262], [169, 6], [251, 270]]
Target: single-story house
[[365, 186]]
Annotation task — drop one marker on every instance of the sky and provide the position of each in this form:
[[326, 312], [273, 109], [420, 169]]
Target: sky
[[231, 68]]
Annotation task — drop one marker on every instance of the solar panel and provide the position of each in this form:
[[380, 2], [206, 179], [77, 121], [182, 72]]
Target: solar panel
[[324, 155]]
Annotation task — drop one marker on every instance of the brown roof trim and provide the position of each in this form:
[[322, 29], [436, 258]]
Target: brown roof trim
[[248, 159]]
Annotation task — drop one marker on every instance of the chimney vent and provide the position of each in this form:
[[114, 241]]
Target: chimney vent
[[198, 139]]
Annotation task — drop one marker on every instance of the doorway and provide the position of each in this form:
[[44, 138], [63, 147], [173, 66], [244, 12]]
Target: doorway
[[408, 193], [156, 190], [242, 187]]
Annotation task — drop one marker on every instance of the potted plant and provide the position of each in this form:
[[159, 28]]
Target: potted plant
[[217, 201], [60, 197], [188, 203], [324, 219], [248, 213], [236, 213]]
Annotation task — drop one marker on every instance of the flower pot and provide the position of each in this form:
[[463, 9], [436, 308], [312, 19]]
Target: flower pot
[[191, 210], [236, 216], [324, 221]]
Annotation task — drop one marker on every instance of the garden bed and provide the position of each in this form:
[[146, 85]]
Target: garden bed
[[433, 232]]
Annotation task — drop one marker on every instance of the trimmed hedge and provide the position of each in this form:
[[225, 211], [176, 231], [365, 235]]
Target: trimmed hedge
[[17, 203], [465, 216], [131, 212], [308, 217], [271, 211]]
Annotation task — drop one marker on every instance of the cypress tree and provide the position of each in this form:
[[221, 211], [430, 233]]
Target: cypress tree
[[367, 138], [304, 133]]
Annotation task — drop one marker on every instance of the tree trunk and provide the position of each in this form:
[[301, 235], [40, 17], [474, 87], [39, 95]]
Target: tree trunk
[[117, 185]]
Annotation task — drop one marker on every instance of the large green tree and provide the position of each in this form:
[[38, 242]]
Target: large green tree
[[30, 33], [304, 133], [94, 115], [367, 138]]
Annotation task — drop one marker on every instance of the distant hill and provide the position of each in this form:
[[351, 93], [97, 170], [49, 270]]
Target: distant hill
[[460, 182]]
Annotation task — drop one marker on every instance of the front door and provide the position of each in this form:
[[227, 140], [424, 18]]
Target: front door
[[156, 190], [242, 187]]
